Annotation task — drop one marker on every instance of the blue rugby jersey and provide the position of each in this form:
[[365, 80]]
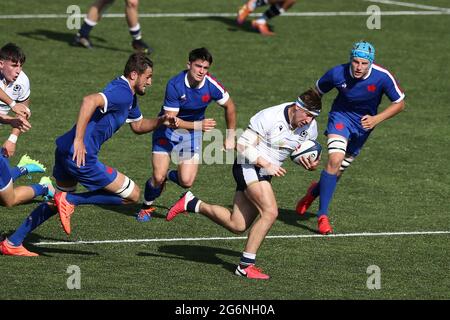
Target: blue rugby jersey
[[191, 103], [120, 106], [358, 97]]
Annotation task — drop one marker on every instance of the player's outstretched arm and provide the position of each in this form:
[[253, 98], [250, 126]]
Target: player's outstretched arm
[[147, 125], [88, 106], [203, 125], [370, 122]]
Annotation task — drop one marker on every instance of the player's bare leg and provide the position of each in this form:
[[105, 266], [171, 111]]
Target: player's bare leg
[[132, 16], [187, 171], [239, 220], [12, 196]]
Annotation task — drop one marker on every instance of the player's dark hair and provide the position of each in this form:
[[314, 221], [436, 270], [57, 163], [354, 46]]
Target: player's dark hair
[[138, 62], [200, 54], [312, 100], [11, 52]]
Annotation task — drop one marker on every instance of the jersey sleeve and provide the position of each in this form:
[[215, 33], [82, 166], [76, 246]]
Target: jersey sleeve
[[218, 91], [171, 98], [116, 99], [24, 90], [392, 89], [326, 82], [135, 113]]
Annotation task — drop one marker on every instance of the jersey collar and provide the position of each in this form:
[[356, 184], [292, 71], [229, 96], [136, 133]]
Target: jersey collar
[[365, 77], [186, 82], [125, 79]]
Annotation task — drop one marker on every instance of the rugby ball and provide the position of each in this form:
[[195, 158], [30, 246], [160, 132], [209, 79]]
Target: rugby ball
[[308, 149]]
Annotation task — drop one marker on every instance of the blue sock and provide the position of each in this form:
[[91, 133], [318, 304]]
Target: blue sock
[[17, 172], [316, 190], [94, 197], [39, 215], [39, 189], [151, 192], [327, 185], [85, 30], [247, 259], [135, 32], [173, 176]]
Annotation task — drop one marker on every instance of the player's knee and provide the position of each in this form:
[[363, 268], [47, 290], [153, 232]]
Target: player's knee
[[333, 164], [8, 203], [238, 228], [186, 182], [269, 214], [158, 179]]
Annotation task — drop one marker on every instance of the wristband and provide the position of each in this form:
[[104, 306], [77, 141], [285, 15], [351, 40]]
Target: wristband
[[12, 104], [12, 138]]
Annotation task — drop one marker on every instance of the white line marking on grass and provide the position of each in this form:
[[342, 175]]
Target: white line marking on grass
[[342, 235], [408, 4], [440, 11]]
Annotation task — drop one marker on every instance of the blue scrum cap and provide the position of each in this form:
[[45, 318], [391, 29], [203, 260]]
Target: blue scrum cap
[[364, 50]]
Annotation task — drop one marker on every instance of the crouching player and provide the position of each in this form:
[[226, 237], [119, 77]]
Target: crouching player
[[76, 156], [270, 138]]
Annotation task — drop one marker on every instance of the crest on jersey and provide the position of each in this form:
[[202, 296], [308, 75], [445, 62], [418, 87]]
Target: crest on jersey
[[16, 88]]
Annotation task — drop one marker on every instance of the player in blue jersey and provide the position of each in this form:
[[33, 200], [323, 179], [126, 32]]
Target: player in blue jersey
[[76, 156], [353, 116], [188, 94]]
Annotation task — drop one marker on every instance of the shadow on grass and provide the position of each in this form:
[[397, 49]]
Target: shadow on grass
[[131, 210], [33, 238], [291, 217], [66, 37], [230, 22], [202, 254]]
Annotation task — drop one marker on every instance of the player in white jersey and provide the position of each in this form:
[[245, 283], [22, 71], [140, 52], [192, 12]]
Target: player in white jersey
[[14, 90], [272, 135], [14, 95]]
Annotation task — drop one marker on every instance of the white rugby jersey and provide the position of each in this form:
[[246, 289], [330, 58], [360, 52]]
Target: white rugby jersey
[[277, 139], [18, 90]]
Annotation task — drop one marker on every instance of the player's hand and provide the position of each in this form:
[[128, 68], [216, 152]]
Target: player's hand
[[229, 143], [275, 170], [208, 125], [171, 121], [8, 149], [369, 122], [20, 123], [79, 152], [22, 110], [309, 164]]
